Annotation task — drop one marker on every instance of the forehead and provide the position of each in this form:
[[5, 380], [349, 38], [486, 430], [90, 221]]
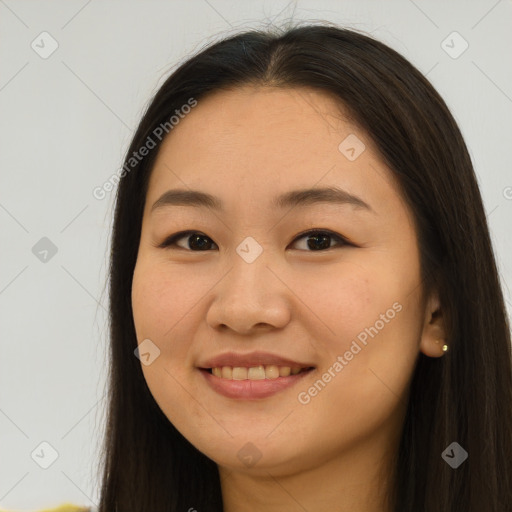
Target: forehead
[[256, 142], [245, 117], [266, 104]]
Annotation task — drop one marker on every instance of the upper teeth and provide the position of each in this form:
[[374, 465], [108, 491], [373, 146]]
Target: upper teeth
[[260, 372]]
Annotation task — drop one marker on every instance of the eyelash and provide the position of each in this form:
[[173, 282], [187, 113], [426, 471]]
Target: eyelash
[[171, 240]]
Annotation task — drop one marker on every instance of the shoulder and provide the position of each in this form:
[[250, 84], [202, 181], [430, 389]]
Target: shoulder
[[65, 507]]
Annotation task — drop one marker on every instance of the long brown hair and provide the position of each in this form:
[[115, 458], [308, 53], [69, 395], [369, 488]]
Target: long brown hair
[[465, 396]]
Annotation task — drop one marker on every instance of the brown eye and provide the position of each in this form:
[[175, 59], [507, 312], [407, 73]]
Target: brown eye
[[317, 240], [194, 241]]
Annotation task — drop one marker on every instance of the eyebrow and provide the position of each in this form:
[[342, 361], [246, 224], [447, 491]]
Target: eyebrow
[[294, 198]]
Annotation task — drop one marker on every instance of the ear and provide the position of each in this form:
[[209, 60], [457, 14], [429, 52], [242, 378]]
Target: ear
[[433, 336]]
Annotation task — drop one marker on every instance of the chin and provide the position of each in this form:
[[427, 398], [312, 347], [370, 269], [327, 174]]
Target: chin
[[252, 453]]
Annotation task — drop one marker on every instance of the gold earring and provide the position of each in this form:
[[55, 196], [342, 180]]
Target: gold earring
[[445, 346]]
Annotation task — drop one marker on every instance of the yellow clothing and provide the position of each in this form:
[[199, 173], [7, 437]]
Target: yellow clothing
[[66, 507]]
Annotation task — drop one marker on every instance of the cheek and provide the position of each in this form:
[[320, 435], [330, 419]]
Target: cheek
[[347, 305], [372, 320], [147, 302], [168, 310], [161, 296], [163, 305]]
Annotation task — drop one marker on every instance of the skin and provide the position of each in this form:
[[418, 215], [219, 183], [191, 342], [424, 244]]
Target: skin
[[246, 146]]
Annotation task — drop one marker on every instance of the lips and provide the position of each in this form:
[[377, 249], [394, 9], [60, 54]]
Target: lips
[[249, 389], [251, 359]]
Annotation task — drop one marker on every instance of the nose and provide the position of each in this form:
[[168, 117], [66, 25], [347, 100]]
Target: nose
[[251, 297]]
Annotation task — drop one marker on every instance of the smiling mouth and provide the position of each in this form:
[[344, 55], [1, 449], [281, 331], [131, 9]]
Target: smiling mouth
[[260, 372]]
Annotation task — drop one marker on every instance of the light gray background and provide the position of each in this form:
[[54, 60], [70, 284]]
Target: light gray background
[[65, 124]]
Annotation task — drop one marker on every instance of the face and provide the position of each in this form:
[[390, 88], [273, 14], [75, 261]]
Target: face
[[344, 300]]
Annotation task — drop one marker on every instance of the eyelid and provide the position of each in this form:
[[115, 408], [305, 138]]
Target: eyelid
[[170, 240]]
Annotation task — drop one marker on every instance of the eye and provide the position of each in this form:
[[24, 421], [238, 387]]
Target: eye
[[317, 240], [196, 241]]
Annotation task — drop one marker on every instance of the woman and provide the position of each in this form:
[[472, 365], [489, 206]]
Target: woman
[[305, 308]]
